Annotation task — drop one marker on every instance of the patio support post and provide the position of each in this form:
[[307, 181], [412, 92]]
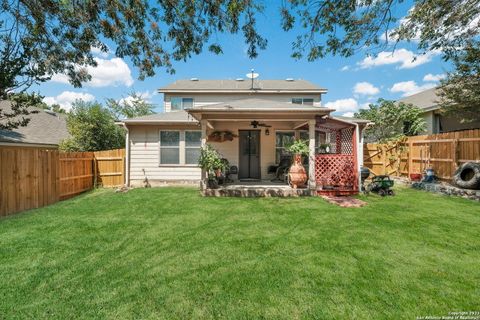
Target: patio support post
[[203, 125], [311, 155]]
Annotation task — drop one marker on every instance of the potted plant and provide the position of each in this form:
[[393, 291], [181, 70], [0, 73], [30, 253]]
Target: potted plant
[[297, 173], [324, 148], [211, 161]]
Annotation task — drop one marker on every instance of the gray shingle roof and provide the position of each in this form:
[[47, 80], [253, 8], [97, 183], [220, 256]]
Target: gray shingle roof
[[424, 100], [255, 104], [351, 119], [172, 117], [45, 127], [245, 85]]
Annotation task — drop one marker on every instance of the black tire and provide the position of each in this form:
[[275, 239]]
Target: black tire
[[467, 176], [391, 193], [382, 193]]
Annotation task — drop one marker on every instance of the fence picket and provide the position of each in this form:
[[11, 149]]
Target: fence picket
[[442, 152], [36, 177]]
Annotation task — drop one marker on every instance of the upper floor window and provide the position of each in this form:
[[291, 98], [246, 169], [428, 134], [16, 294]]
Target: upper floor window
[[178, 103], [304, 101]]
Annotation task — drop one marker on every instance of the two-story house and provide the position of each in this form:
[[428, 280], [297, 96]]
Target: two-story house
[[259, 119]]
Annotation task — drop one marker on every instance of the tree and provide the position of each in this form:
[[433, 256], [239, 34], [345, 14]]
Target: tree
[[391, 120], [92, 128], [130, 107], [342, 27], [41, 38], [460, 91]]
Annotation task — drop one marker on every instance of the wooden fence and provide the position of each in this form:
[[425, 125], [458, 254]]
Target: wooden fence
[[36, 177], [443, 152]]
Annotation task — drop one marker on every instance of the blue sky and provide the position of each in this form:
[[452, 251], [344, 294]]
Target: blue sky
[[352, 82]]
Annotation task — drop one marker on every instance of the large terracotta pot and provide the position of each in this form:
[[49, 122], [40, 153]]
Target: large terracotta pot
[[297, 173]]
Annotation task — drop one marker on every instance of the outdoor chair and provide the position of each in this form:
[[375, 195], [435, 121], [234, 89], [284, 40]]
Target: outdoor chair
[[281, 170]]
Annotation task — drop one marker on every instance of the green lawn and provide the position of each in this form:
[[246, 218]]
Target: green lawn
[[169, 253]]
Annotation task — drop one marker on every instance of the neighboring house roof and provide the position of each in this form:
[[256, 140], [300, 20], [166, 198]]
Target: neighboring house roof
[[174, 117], [254, 104], [426, 100], [235, 86], [351, 119], [45, 128]]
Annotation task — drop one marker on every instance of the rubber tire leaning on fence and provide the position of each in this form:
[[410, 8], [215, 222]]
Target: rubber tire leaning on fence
[[467, 176]]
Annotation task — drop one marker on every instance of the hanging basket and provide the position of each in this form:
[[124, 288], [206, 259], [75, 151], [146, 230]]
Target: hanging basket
[[221, 136]]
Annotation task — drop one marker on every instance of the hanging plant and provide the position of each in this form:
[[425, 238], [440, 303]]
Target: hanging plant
[[221, 136]]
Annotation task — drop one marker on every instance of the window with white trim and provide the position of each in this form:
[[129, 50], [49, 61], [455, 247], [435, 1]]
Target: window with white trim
[[282, 140], [193, 142], [320, 139], [169, 147], [179, 103], [303, 101]]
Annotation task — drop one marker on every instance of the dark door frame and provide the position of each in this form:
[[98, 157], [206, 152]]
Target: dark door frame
[[259, 153]]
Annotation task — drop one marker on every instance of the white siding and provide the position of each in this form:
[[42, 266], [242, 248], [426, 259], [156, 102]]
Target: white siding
[[208, 99], [144, 152], [230, 149], [144, 156]]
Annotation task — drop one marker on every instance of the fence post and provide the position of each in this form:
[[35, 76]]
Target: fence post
[[410, 158], [384, 159], [94, 171], [454, 155]]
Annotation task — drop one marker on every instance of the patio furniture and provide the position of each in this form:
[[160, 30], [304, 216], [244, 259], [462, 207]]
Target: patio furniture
[[281, 171]]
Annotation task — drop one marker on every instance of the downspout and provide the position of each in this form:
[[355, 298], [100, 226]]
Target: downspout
[[127, 156], [359, 154]]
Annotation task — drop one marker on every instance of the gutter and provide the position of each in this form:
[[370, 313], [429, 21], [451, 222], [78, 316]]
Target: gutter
[[127, 156]]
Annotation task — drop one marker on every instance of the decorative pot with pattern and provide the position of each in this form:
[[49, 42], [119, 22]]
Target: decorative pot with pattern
[[297, 173]]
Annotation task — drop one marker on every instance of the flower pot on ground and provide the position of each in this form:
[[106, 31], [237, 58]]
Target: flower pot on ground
[[211, 162], [298, 174]]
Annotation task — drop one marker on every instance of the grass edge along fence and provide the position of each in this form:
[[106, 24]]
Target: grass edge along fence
[[443, 152], [33, 177]]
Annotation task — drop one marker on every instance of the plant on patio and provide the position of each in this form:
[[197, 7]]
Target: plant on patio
[[211, 161], [297, 173], [298, 146]]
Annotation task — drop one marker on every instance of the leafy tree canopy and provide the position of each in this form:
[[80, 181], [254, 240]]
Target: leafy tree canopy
[[130, 107], [44, 37], [92, 128], [391, 120], [460, 91]]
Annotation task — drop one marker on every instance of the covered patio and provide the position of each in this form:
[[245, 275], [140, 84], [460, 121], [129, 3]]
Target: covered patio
[[255, 146]]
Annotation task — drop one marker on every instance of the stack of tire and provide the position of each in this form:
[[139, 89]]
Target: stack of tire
[[467, 176]]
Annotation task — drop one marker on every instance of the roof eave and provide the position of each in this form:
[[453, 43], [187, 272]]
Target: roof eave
[[259, 110], [129, 122], [311, 91]]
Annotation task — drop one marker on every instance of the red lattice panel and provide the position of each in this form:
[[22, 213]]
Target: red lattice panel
[[336, 173], [346, 141]]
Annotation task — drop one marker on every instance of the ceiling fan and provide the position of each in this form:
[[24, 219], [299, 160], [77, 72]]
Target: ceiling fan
[[256, 124]]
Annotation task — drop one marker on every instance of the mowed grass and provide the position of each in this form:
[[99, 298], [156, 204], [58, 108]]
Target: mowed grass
[[168, 253]]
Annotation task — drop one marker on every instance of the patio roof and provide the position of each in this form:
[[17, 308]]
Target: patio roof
[[258, 109], [173, 117]]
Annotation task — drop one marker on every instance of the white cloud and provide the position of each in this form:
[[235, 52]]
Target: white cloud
[[348, 114], [145, 96], [109, 72], [407, 88], [406, 59], [345, 68], [433, 77], [343, 105], [365, 88], [66, 98], [99, 53]]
